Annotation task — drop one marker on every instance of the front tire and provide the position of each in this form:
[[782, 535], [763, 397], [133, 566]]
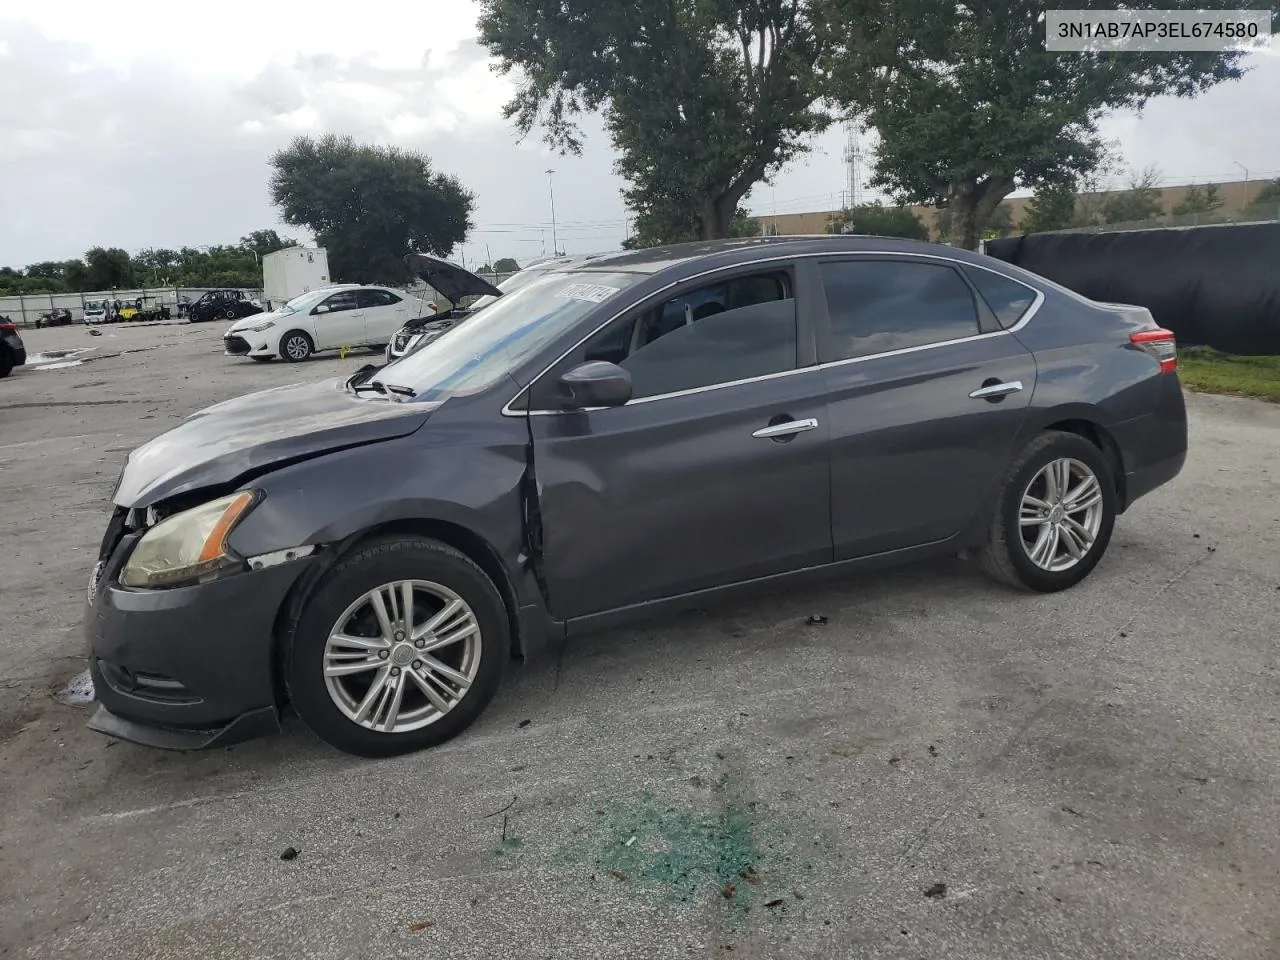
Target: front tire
[[400, 647], [296, 346], [1054, 517]]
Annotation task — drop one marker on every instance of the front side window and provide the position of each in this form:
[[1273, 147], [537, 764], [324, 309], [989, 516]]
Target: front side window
[[723, 332], [338, 302], [876, 306], [377, 298]]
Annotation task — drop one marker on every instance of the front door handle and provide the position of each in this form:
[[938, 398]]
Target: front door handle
[[996, 390], [785, 429]]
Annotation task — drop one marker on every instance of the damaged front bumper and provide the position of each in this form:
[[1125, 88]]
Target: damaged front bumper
[[190, 667]]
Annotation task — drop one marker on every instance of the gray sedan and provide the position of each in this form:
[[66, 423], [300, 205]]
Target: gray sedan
[[616, 437]]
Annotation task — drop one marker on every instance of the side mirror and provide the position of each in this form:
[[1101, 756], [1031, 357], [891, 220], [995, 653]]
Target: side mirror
[[319, 308], [595, 384]]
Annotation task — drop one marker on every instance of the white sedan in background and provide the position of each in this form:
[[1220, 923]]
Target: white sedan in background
[[343, 315]]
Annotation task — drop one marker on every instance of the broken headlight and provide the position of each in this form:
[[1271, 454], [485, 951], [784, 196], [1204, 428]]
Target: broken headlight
[[187, 545]]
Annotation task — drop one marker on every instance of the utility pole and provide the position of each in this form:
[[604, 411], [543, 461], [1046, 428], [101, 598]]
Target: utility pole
[[555, 244], [1244, 189]]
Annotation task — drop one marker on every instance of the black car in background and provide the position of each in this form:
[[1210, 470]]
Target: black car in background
[[220, 305], [632, 434], [13, 352]]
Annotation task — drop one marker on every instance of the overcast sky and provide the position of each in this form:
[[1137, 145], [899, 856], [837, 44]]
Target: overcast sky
[[136, 124]]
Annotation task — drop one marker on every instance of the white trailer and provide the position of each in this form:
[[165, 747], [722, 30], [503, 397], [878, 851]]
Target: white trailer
[[292, 272]]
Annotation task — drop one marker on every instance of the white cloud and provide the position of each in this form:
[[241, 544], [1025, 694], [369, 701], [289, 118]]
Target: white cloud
[[150, 124]]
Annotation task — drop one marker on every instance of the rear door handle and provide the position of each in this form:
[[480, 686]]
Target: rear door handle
[[993, 391], [785, 429]]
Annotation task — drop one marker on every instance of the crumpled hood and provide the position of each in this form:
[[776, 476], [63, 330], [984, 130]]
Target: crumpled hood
[[224, 442]]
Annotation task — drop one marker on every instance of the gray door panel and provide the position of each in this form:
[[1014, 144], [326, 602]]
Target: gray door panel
[[651, 500], [912, 453]]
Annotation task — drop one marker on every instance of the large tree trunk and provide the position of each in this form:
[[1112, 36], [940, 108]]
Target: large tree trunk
[[964, 221], [971, 204]]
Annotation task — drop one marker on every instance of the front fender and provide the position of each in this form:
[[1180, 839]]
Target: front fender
[[332, 497]]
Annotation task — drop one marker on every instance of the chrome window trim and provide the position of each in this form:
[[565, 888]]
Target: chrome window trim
[[1022, 322]]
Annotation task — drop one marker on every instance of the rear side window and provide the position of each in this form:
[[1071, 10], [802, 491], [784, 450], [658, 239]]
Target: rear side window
[[377, 298], [1008, 299], [880, 305]]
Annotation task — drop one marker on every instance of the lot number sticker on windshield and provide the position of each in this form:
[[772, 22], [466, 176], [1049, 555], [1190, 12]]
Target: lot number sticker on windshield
[[595, 292]]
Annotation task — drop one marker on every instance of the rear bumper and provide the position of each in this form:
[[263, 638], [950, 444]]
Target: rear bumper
[[1154, 447], [1139, 483]]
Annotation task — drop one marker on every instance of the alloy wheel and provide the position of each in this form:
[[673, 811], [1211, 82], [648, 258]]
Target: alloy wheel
[[297, 348], [1060, 514], [402, 656]]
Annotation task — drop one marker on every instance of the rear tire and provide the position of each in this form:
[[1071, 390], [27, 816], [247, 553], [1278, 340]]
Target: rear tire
[[6, 363], [296, 346], [1043, 537], [380, 652]]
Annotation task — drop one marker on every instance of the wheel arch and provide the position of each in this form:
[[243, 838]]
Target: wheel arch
[[1096, 433], [461, 538]]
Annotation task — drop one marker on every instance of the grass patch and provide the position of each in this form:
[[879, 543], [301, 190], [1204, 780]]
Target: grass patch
[[1209, 371]]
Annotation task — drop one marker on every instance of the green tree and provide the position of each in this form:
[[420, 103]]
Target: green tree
[[369, 206], [701, 99], [651, 230], [973, 106], [1270, 193], [1140, 202], [263, 242], [878, 220], [1053, 207], [155, 267], [506, 265], [1198, 200], [108, 269], [1266, 202]]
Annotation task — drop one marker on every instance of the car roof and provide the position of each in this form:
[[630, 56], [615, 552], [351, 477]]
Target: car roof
[[727, 252]]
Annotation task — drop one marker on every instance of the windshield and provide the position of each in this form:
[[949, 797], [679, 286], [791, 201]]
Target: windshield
[[94, 306], [510, 285], [304, 302], [477, 354]]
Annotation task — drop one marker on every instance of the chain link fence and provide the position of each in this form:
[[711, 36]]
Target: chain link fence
[[26, 309]]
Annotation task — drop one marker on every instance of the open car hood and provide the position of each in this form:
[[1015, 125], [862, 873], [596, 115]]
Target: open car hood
[[448, 279]]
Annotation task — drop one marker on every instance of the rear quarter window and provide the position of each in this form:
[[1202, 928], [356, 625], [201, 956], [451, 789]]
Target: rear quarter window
[[1008, 299]]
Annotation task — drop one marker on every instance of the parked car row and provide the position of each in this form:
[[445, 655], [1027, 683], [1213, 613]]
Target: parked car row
[[616, 436]]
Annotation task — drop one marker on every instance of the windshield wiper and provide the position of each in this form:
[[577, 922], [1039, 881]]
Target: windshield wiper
[[396, 389], [386, 389]]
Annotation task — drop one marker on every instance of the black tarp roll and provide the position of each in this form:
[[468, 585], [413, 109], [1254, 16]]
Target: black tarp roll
[[1218, 286]]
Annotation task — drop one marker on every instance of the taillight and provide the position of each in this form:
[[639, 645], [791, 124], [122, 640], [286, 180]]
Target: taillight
[[9, 327], [1161, 344]]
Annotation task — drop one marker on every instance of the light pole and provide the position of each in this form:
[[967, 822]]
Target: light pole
[[1244, 188], [551, 188]]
